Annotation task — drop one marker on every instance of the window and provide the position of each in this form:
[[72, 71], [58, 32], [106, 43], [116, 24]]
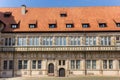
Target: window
[[20, 64], [90, 40], [52, 25], [91, 64], [5, 64], [119, 64], [104, 64], [11, 64], [34, 64], [47, 41], [102, 25], [63, 15], [7, 14], [34, 41], [75, 64], [107, 64], [69, 25], [118, 24], [32, 25], [88, 64], [105, 40], [117, 38], [39, 64], [74, 40], [14, 26], [25, 62], [85, 25], [22, 41], [9, 41], [61, 62], [110, 64], [60, 41], [72, 64]]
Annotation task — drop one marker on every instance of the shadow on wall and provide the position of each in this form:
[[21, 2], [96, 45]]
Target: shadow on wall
[[7, 22]]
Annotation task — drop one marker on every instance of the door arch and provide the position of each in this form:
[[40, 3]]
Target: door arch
[[51, 68], [61, 72]]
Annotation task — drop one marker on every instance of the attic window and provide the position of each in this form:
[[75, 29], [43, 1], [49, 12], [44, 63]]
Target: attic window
[[85, 25], [102, 25], [118, 24], [32, 25], [63, 14], [52, 25], [14, 26], [7, 14], [69, 25]]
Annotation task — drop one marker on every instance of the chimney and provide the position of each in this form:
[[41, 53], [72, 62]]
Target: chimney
[[23, 9]]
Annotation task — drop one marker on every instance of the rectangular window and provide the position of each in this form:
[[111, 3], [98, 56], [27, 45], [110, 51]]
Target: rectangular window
[[105, 40], [74, 40], [69, 25], [60, 41], [39, 64], [5, 64], [104, 64], [52, 25], [47, 40], [59, 62], [118, 24], [11, 64], [63, 62], [110, 64], [34, 41], [77, 64], [102, 25], [85, 25], [93, 64], [32, 25], [34, 64], [72, 64], [88, 64], [20, 64], [90, 40], [25, 63], [22, 41]]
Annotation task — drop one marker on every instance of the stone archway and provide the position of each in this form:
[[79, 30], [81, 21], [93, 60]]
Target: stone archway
[[61, 72], [51, 68]]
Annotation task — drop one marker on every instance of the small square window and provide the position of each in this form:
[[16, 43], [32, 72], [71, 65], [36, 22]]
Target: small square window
[[63, 15], [118, 24], [85, 25], [69, 25], [52, 25], [14, 26], [32, 25], [102, 25]]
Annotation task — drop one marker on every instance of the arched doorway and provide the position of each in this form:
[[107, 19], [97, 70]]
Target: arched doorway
[[51, 68], [61, 72]]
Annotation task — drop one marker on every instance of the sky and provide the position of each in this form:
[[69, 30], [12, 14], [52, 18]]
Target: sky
[[58, 3]]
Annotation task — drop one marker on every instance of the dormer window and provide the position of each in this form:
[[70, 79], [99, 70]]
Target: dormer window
[[32, 25], [69, 25], [63, 14], [14, 26], [7, 14], [85, 25], [102, 25], [118, 24], [52, 25]]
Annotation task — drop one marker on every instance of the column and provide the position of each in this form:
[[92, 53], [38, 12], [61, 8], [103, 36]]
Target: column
[[100, 66]]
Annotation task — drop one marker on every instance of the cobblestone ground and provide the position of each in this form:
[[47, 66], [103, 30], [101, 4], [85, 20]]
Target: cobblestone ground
[[66, 78]]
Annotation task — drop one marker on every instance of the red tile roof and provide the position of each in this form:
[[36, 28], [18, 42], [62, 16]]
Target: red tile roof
[[75, 15]]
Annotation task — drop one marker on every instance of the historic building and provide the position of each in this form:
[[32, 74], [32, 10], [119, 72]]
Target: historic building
[[59, 41]]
